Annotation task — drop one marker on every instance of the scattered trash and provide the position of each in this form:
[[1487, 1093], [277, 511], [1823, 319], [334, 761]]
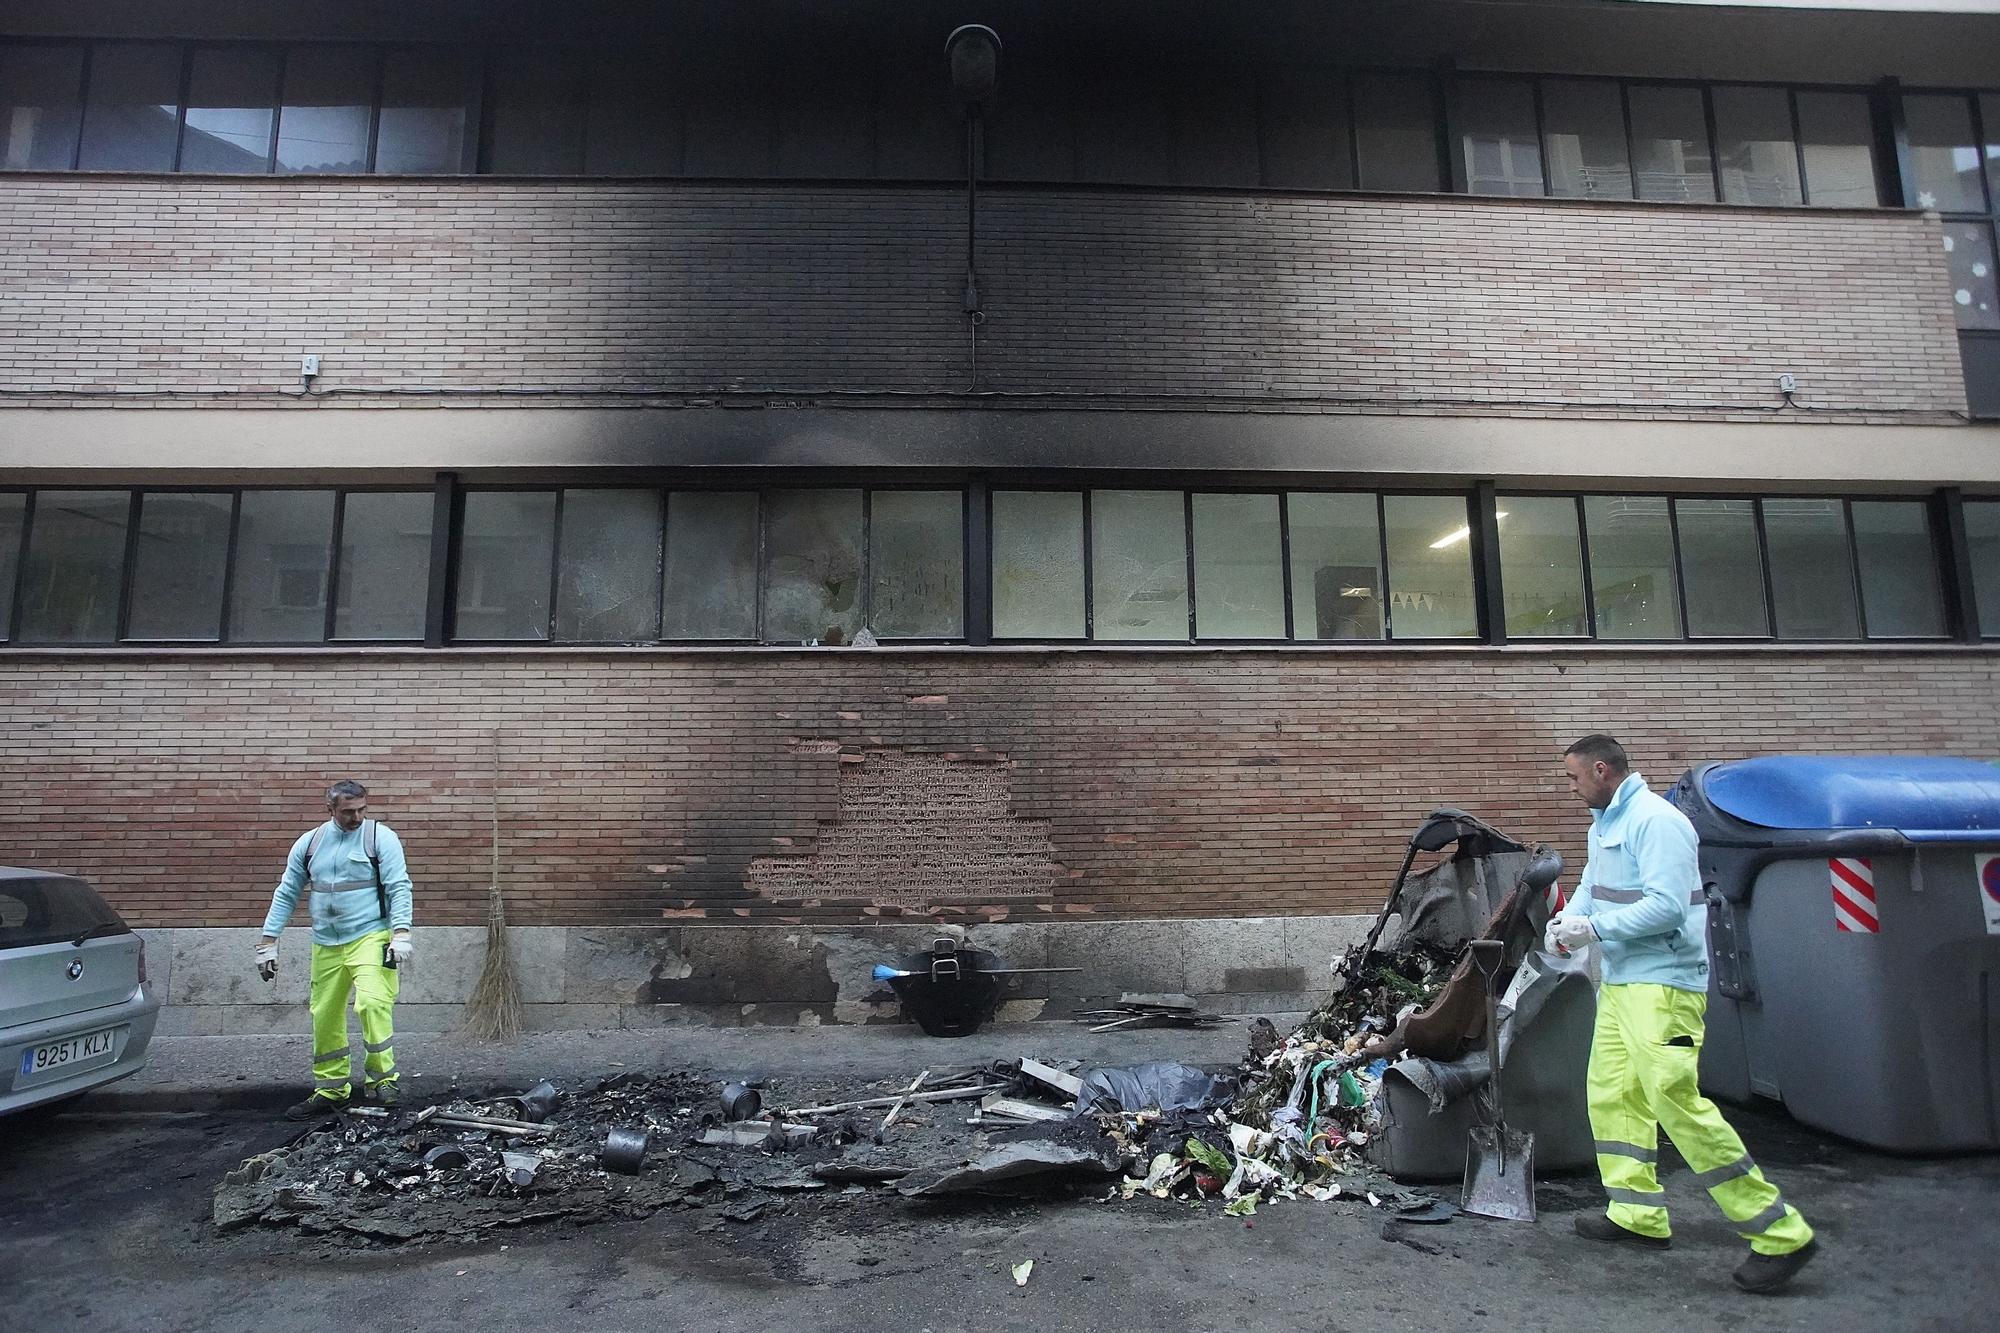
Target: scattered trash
[[624, 1150], [446, 1158], [1023, 1271], [537, 1102], [1145, 1011], [520, 1168], [741, 1102], [1160, 1085]]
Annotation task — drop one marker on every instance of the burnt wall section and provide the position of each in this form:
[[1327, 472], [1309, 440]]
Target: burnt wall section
[[209, 287], [639, 788], [914, 830]]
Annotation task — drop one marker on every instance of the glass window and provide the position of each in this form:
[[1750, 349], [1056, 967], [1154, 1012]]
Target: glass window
[[538, 114], [608, 569], [1722, 568], [635, 118], [385, 565], [1395, 131], [1812, 579], [506, 541], [232, 104], [1900, 597], [41, 106], [178, 567], [75, 567], [916, 561], [1541, 567], [1239, 567], [1138, 565], [1499, 150], [131, 121], [1430, 567], [329, 96], [1989, 117], [1670, 144], [1982, 539], [1304, 130], [1968, 258], [812, 571], [1943, 157], [1837, 134], [1038, 565], [13, 516], [427, 99], [1336, 566], [284, 547], [1583, 134], [1754, 146], [710, 578], [1633, 588]]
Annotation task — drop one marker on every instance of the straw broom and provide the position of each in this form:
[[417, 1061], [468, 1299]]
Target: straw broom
[[494, 1011]]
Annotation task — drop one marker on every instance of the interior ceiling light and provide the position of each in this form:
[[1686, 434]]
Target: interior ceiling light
[[1460, 534]]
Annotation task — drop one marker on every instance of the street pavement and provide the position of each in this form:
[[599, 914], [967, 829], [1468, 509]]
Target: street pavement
[[104, 1225]]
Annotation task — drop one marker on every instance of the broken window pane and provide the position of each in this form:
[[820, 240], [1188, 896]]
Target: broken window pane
[[177, 569], [1336, 565], [1812, 570], [608, 573], [284, 547], [710, 580], [1722, 568], [1138, 565], [1038, 565], [1430, 567], [812, 574], [1239, 567], [1541, 567], [1899, 577], [385, 565], [1670, 144], [506, 540], [916, 556], [1583, 133], [75, 567], [1633, 587], [1754, 146]]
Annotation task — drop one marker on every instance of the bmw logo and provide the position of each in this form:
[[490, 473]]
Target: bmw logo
[[75, 968]]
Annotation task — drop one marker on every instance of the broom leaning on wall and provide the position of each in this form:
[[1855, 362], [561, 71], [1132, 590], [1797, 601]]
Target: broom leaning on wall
[[494, 1011]]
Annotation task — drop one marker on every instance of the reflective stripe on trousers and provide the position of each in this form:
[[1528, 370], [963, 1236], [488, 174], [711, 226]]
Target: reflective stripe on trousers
[[338, 972], [1641, 1083]]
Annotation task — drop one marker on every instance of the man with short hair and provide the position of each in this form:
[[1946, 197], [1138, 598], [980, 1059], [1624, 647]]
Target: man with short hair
[[359, 899], [1641, 902]]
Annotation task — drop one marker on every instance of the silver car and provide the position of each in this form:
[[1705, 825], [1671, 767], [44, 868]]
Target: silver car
[[74, 1012]]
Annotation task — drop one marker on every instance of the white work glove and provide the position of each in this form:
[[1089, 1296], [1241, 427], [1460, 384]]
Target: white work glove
[[400, 947], [267, 959], [1568, 933]]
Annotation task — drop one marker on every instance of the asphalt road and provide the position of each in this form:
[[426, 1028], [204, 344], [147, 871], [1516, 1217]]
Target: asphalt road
[[104, 1226]]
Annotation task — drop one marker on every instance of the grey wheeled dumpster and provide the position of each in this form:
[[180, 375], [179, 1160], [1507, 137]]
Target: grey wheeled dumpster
[[1854, 936]]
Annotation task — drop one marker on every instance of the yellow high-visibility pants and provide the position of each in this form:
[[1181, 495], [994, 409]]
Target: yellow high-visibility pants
[[355, 969], [1643, 1077]]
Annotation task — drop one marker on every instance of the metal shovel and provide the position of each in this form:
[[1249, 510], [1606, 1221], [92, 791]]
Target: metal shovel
[[1499, 1162]]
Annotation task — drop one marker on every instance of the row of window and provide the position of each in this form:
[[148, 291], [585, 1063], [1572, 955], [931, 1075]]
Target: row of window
[[841, 565]]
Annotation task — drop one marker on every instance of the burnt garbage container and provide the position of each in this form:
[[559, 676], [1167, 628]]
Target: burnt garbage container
[[1854, 940]]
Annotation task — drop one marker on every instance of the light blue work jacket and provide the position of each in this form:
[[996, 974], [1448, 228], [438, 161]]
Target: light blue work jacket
[[1641, 890], [343, 904]]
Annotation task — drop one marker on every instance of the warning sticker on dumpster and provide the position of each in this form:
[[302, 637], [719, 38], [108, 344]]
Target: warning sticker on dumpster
[[1988, 869]]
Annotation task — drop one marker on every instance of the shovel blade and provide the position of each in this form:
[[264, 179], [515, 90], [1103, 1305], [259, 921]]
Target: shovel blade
[[1500, 1173]]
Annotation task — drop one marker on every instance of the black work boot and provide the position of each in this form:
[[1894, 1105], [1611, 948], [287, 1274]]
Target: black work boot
[[1596, 1226], [315, 1106], [1768, 1272], [382, 1094]]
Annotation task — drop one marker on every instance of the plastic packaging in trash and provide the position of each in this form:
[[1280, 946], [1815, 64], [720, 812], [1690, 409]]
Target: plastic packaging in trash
[[1162, 1084], [1351, 1093], [520, 1167]]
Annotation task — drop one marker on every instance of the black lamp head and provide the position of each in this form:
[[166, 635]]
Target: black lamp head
[[973, 54]]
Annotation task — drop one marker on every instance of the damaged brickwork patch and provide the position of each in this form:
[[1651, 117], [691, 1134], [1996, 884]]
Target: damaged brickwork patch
[[914, 829]]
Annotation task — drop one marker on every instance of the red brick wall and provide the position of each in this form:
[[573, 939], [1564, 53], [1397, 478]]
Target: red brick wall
[[1401, 303], [637, 787]]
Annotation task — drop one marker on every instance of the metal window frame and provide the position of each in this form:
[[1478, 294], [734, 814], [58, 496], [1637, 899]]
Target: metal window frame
[[1589, 634], [190, 51], [29, 513], [127, 594], [336, 565]]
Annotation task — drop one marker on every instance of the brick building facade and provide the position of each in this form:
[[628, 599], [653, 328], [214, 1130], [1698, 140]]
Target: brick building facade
[[1306, 422]]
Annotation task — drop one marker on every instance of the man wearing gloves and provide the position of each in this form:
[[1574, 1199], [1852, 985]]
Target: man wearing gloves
[[359, 901], [1641, 903]]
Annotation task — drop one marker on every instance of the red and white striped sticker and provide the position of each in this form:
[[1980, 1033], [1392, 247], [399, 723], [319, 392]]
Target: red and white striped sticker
[[1553, 898], [1854, 895]]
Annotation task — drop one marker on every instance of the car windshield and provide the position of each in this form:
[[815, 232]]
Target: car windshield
[[49, 909]]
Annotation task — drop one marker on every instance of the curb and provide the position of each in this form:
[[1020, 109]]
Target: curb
[[174, 1098]]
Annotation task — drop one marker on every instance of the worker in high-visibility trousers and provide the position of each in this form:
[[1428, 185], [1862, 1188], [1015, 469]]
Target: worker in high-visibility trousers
[[1640, 902], [360, 901]]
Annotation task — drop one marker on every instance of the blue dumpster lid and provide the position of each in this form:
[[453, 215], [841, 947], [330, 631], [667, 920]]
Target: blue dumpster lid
[[1924, 797]]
